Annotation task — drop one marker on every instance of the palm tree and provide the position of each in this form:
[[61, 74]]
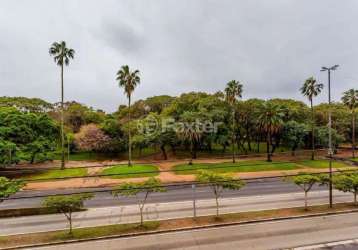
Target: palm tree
[[350, 99], [311, 89], [191, 135], [270, 119], [233, 91], [128, 80], [62, 56]]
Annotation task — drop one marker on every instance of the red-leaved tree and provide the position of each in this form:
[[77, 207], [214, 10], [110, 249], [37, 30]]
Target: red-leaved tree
[[91, 138]]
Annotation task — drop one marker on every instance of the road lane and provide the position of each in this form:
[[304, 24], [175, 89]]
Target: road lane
[[182, 193]]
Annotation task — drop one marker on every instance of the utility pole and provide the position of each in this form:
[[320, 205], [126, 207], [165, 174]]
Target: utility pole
[[330, 149]]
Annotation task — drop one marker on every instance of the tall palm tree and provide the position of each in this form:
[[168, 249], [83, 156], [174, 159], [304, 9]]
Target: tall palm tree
[[62, 55], [350, 99], [271, 120], [311, 88], [192, 135], [128, 80], [233, 91]]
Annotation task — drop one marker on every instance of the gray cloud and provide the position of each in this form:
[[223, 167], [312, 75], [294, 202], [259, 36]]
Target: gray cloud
[[271, 46]]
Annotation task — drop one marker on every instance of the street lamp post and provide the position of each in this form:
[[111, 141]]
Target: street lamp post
[[330, 150]]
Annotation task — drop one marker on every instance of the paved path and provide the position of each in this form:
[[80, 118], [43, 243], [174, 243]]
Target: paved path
[[160, 211], [285, 234]]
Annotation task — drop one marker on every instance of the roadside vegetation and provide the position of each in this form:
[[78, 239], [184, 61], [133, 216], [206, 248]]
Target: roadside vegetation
[[67, 205]]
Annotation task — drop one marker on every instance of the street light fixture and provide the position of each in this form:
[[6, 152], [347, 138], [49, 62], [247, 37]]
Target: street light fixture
[[330, 150]]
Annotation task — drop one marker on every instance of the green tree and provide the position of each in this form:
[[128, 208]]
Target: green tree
[[218, 183], [322, 137], [62, 55], [233, 91], [9, 187], [293, 135], [128, 80], [271, 120], [25, 135], [347, 183], [7, 153], [305, 182], [350, 99], [34, 105], [67, 204], [141, 191], [189, 132], [311, 89]]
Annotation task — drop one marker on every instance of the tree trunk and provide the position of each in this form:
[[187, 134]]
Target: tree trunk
[[162, 148], [62, 123], [217, 206], [249, 143], [33, 158], [233, 135], [268, 147], [312, 121], [306, 201], [224, 148], [194, 150], [129, 133], [355, 198], [70, 221], [173, 149], [141, 215], [353, 134], [191, 153]]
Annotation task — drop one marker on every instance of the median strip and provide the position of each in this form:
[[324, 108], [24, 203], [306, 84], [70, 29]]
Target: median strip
[[172, 225]]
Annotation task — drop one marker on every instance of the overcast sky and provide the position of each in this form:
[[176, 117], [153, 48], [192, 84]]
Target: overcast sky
[[272, 46]]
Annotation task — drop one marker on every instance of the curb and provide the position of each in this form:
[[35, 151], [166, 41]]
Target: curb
[[327, 245], [183, 229]]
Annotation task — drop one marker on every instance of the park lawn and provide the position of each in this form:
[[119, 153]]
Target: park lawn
[[322, 164], [355, 159], [229, 167], [58, 173], [135, 171]]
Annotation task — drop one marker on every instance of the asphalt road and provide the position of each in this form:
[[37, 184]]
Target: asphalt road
[[175, 193], [285, 234]]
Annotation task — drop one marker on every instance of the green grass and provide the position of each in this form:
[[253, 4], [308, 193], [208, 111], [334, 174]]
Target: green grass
[[355, 159], [228, 167], [58, 173], [90, 232], [255, 166], [124, 171], [323, 164]]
